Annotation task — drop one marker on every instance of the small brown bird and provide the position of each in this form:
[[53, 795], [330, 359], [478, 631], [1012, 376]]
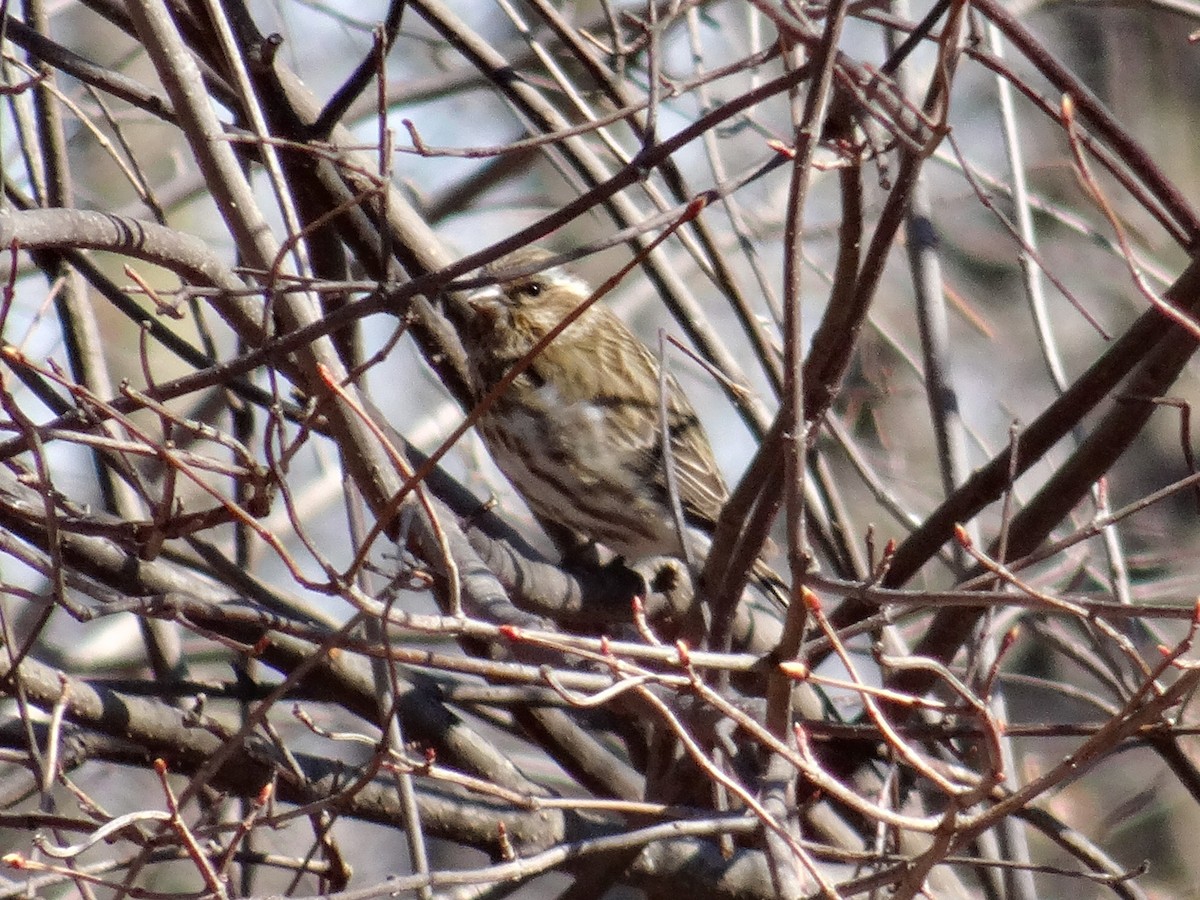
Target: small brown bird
[[578, 432]]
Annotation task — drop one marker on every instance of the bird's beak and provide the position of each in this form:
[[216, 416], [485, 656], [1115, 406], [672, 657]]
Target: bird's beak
[[485, 303]]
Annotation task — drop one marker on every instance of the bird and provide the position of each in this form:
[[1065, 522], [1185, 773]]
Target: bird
[[579, 431]]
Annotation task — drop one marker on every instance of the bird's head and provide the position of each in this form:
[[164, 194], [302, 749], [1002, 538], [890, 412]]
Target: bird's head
[[527, 299]]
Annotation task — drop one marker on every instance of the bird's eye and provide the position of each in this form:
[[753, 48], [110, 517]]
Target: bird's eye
[[532, 289]]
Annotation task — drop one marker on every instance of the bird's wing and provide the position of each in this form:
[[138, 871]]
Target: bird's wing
[[701, 488], [607, 366]]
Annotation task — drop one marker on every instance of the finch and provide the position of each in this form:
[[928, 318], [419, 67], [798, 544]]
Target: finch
[[579, 432]]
